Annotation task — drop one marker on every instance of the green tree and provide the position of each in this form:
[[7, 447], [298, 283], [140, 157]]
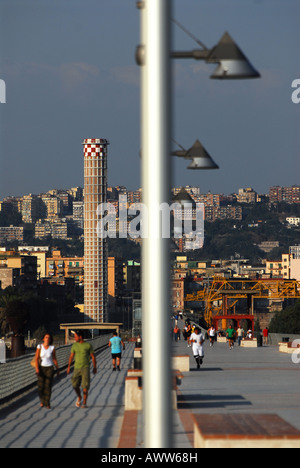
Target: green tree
[[287, 320], [8, 295], [22, 312], [17, 315]]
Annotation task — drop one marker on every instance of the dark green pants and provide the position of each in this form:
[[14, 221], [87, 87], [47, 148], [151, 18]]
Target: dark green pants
[[45, 379]]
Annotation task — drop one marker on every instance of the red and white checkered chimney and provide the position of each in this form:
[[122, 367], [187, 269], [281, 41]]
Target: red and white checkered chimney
[[95, 248]]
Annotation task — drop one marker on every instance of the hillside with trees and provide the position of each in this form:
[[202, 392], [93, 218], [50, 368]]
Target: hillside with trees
[[261, 223], [287, 320]]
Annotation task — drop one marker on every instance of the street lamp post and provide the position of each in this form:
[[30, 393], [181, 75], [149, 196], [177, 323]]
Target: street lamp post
[[156, 183], [154, 54]]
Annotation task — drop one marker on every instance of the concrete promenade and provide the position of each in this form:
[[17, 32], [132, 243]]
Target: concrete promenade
[[244, 380]]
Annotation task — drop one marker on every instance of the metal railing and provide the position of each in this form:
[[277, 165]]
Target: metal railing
[[17, 376]]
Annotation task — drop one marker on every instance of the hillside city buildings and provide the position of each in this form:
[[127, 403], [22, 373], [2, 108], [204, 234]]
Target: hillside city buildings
[[59, 214], [33, 269], [112, 284]]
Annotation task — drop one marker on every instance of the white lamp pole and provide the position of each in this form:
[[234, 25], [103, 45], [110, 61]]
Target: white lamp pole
[[156, 184], [154, 56]]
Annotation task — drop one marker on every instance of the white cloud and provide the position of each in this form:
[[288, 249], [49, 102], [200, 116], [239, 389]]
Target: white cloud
[[75, 74], [127, 75]]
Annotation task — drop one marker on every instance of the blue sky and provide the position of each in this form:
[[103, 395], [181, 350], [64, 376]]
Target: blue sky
[[70, 74]]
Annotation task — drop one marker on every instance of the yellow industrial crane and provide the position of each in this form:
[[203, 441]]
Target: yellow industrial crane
[[223, 294]]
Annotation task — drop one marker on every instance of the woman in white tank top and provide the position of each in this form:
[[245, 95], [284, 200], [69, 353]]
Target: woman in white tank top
[[44, 367]]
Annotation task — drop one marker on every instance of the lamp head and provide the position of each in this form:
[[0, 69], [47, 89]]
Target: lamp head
[[200, 157], [233, 64]]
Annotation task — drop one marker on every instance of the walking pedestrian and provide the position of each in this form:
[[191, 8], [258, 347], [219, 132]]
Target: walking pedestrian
[[82, 352], [240, 335], [188, 334], [138, 343], [230, 335], [184, 332], [116, 344], [45, 360], [266, 336], [197, 340], [212, 335], [176, 333]]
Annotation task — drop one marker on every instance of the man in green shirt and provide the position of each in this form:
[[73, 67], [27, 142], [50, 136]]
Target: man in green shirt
[[230, 335], [82, 352]]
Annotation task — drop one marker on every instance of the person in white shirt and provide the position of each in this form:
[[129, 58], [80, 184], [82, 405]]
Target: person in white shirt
[[44, 367], [197, 340], [212, 334]]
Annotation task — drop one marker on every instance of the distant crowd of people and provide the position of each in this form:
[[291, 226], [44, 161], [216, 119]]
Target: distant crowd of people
[[195, 337]]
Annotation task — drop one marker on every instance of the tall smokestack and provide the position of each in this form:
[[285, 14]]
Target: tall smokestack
[[95, 248]]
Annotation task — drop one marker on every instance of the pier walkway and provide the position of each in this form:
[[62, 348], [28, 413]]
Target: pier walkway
[[244, 380], [25, 425]]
